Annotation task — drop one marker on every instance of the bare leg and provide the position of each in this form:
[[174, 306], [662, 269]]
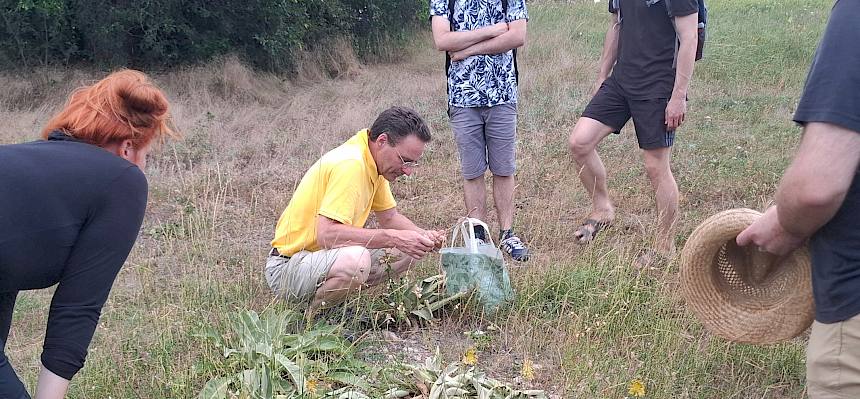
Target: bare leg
[[503, 196], [348, 274], [586, 135], [475, 193], [657, 165]]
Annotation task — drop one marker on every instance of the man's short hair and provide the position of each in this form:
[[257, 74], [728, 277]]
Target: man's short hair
[[399, 122]]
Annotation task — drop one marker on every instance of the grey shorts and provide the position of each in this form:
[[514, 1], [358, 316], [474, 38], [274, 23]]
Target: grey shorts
[[297, 278], [486, 136]]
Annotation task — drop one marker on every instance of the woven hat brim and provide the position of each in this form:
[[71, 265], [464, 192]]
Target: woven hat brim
[[785, 312]]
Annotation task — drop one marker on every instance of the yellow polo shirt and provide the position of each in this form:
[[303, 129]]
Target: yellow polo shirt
[[343, 185]]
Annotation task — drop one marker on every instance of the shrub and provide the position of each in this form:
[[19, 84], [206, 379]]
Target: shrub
[[160, 33]]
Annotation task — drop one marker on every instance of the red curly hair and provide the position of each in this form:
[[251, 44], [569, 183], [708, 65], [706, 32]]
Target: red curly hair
[[125, 105]]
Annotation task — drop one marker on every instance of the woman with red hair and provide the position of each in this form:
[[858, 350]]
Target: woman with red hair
[[72, 207]]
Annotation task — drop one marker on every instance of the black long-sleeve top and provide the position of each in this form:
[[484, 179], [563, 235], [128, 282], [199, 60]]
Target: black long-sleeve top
[[69, 215]]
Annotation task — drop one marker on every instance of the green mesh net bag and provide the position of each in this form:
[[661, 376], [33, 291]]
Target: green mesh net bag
[[476, 266]]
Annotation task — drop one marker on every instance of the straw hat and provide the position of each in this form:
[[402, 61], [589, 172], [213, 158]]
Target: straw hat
[[741, 293]]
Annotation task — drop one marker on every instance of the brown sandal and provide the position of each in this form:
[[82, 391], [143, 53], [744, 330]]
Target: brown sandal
[[588, 230]]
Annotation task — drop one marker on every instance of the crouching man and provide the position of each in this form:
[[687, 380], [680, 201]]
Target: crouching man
[[322, 252]]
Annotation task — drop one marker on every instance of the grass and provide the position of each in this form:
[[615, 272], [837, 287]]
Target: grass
[[587, 322]]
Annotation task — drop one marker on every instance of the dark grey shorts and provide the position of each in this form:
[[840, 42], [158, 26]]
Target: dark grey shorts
[[612, 107], [486, 136]]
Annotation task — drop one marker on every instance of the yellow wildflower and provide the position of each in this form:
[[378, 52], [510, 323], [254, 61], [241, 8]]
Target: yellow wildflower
[[636, 388], [311, 386], [528, 371], [470, 357]]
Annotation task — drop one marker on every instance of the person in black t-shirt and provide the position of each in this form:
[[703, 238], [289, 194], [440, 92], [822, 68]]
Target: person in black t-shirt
[[72, 207], [640, 52], [819, 199]]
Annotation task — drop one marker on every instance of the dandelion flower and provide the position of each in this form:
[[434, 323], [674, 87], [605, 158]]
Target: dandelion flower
[[528, 371], [470, 357], [636, 388], [311, 386]]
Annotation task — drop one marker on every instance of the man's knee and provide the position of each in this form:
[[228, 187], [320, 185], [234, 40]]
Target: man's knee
[[578, 147], [583, 139], [352, 264], [657, 167], [656, 171]]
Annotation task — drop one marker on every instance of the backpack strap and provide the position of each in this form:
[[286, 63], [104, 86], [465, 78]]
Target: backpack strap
[[702, 30], [616, 6], [505, 19], [668, 4], [701, 25], [448, 56]]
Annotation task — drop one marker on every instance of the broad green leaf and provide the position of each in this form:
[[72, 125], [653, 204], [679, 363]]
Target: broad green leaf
[[433, 279], [250, 379], [350, 379], [209, 334], [264, 348], [439, 304], [423, 313], [329, 343], [436, 391], [266, 382], [216, 388], [282, 386], [336, 393], [248, 330], [351, 363], [296, 372]]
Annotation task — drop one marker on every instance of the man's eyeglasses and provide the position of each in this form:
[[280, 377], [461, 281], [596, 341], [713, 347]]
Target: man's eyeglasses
[[409, 164]]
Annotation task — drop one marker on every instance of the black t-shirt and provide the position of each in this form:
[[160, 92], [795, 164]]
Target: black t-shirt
[[646, 49], [832, 95], [70, 215]]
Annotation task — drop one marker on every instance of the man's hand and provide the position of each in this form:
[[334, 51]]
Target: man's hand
[[414, 244], [458, 55], [769, 236], [438, 237], [676, 110]]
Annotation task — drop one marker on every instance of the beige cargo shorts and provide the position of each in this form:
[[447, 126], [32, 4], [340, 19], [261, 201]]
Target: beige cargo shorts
[[833, 360], [296, 278]]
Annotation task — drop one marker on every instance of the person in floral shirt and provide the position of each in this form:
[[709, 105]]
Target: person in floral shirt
[[480, 38]]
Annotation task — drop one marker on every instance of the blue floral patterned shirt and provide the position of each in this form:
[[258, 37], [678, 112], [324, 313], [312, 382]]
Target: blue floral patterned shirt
[[481, 80]]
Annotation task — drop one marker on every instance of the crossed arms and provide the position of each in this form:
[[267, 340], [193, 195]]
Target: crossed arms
[[493, 39]]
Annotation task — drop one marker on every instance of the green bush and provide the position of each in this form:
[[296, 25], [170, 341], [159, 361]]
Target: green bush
[[163, 33]]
